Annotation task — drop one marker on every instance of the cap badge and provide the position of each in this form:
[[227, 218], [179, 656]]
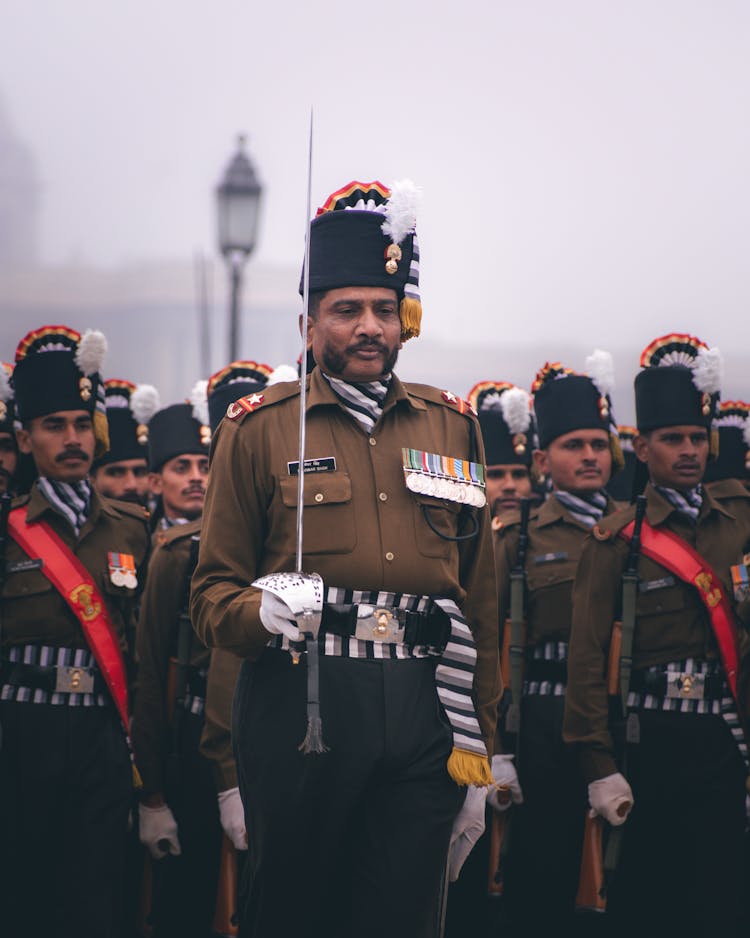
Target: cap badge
[[205, 434], [3, 410], [394, 255], [706, 403], [85, 387], [141, 434], [519, 444]]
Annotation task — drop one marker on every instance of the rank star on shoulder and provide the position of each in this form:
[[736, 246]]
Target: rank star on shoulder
[[254, 400], [450, 397]]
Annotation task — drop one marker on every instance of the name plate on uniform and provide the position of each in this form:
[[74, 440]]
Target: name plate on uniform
[[323, 464], [24, 565], [447, 477]]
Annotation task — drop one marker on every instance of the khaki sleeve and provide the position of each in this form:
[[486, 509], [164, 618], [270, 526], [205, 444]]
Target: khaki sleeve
[[596, 595], [224, 606], [477, 577], [216, 739]]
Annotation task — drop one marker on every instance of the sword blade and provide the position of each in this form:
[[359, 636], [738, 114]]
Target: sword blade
[[303, 360]]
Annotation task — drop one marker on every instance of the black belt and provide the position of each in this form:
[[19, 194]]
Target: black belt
[[45, 677], [539, 669], [656, 683], [431, 628]]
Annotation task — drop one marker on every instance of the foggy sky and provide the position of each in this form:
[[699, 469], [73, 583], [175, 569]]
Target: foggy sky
[[584, 164]]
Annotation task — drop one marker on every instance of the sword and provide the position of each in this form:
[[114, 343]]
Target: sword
[[303, 592]]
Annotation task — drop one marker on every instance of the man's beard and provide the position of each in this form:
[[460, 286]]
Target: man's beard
[[335, 362]]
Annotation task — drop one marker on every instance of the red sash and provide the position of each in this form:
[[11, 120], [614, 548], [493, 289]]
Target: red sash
[[76, 586], [670, 551]]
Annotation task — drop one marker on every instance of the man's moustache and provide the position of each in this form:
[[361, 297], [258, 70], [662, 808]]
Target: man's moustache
[[71, 454], [194, 490]]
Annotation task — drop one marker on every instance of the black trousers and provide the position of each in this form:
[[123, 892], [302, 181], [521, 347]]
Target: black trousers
[[65, 793], [682, 853], [185, 886], [352, 841], [546, 831]]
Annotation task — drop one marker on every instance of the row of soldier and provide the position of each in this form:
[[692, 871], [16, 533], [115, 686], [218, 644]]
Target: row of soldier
[[103, 672]]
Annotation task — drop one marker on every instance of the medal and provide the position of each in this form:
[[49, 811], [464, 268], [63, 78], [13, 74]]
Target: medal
[[122, 570], [741, 581], [445, 477]]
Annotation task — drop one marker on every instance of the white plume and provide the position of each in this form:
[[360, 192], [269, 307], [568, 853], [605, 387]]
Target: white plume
[[708, 370], [91, 352], [199, 400], [6, 392], [401, 210], [144, 402], [514, 404], [282, 373], [746, 431], [601, 369]]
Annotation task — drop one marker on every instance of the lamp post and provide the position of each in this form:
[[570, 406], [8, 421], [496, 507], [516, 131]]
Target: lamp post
[[238, 208]]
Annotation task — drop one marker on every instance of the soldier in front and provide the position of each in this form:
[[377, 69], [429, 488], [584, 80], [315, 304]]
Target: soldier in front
[[352, 839]]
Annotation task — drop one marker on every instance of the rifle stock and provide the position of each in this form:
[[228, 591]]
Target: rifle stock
[[225, 915], [144, 921], [591, 880]]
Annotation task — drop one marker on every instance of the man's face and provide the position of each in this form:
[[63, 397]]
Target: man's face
[[676, 456], [506, 486], [577, 462], [126, 480], [181, 482], [62, 444], [356, 332], [8, 460]]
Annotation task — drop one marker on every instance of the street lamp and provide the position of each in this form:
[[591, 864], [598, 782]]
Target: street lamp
[[238, 207]]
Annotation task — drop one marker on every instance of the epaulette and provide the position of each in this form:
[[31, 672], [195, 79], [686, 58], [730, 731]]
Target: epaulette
[[118, 507], [511, 520], [446, 398], [612, 524], [20, 500], [727, 488], [265, 398]]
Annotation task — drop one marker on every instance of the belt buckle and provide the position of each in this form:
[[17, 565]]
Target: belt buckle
[[682, 686], [74, 680], [378, 624]]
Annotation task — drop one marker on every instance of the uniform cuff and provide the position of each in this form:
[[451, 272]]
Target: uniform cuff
[[596, 763]]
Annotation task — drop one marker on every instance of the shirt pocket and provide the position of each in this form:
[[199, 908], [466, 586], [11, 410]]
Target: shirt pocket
[[550, 596], [329, 526], [434, 536]]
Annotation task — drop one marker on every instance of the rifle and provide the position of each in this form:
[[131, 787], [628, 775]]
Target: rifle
[[5, 504], [225, 916], [511, 667], [597, 865]]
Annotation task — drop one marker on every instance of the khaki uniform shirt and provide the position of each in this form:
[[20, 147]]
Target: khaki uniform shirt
[[671, 620], [216, 739], [363, 529], [32, 609], [554, 548], [164, 598]]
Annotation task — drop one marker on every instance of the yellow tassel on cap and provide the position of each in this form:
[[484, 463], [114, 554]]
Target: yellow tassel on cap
[[615, 448], [410, 313], [713, 449], [101, 434], [469, 768]]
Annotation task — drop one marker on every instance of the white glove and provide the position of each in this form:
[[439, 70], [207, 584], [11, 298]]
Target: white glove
[[277, 617], [506, 790], [612, 798], [157, 830], [232, 816], [467, 829]]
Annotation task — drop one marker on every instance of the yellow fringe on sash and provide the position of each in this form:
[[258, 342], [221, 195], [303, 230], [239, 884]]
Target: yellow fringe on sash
[[137, 780], [469, 768], [410, 313], [101, 434]]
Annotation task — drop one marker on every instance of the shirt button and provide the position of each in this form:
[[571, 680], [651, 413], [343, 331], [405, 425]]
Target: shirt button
[[383, 497], [389, 555], [373, 441], [319, 497]]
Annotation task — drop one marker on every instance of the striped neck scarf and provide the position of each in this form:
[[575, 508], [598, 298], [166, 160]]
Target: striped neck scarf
[[588, 509], [166, 523], [72, 500], [686, 503], [364, 400]]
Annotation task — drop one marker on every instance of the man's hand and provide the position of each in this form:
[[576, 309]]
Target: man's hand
[[506, 790], [157, 830], [277, 617], [612, 798], [232, 816], [467, 829]]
